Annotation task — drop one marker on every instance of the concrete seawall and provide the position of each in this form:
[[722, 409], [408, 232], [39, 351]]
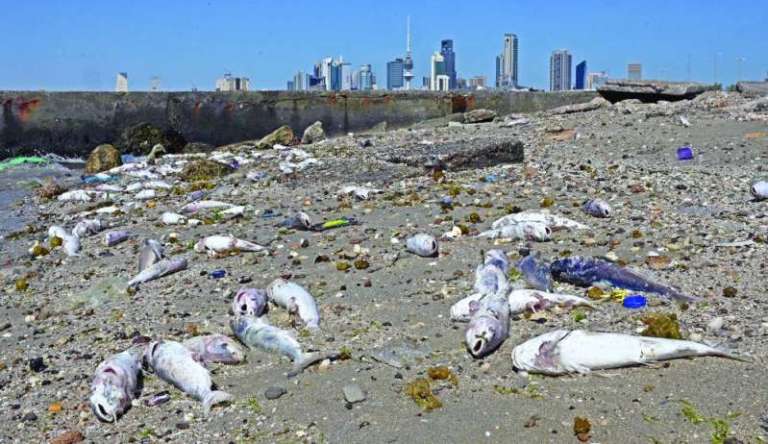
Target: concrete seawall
[[72, 123]]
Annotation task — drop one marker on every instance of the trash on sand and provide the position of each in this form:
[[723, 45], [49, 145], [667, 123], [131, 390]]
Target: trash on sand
[[597, 208], [759, 190], [661, 325], [421, 392], [685, 153], [115, 385], [422, 244], [634, 301]]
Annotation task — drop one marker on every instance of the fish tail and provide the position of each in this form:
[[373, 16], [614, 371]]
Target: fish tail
[[306, 361], [214, 397]]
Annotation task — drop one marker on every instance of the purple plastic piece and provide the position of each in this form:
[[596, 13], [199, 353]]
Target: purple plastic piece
[[685, 153], [115, 237], [157, 399]]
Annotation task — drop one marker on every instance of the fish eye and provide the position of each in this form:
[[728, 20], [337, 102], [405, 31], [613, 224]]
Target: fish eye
[[244, 308], [548, 231]]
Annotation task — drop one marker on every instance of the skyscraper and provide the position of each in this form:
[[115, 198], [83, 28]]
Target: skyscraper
[[596, 79], [121, 83], [365, 78], [506, 63], [449, 59], [346, 76], [635, 71], [438, 79], [581, 75], [395, 70], [408, 62], [560, 70]]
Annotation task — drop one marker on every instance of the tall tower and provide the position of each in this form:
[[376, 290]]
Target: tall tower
[[560, 70], [408, 62]]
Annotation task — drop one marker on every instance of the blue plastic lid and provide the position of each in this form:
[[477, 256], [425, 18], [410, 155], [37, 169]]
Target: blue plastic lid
[[634, 301], [218, 274]]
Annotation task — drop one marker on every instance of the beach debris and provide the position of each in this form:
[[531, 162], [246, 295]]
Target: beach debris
[[70, 243], [87, 227], [421, 392], [759, 190], [422, 244], [171, 218], [597, 208], [532, 231], [175, 364], [115, 385], [536, 273], [159, 398], [151, 253], [218, 245], [544, 217], [215, 349], [250, 302], [77, 196], [157, 270], [488, 326], [113, 238], [525, 300], [360, 193], [561, 352], [300, 221], [294, 298], [661, 325], [198, 205]]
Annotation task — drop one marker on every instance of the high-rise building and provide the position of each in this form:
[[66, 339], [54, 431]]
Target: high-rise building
[[365, 78], [438, 79], [560, 70], [289, 86], [596, 79], [121, 83], [395, 70], [449, 60], [506, 63], [635, 71], [581, 75], [346, 76], [477, 82], [425, 82], [408, 61], [229, 83]]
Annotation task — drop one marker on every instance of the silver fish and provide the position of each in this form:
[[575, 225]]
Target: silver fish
[[489, 326], [145, 194], [553, 221], [151, 253], [490, 279], [77, 195], [597, 208], [69, 243], [422, 245], [159, 269], [523, 300], [174, 363], [196, 206], [258, 333], [115, 237], [250, 302], [532, 231], [295, 299], [87, 227], [115, 385], [759, 190], [170, 218], [215, 348], [562, 352], [221, 245]]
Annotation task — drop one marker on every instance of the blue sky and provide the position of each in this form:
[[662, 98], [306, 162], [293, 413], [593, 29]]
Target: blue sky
[[81, 45]]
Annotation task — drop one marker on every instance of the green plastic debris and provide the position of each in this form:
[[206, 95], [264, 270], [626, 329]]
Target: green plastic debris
[[16, 161]]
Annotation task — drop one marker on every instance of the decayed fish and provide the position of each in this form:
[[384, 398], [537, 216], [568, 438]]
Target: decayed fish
[[69, 243], [585, 272], [295, 299], [87, 227], [115, 385], [215, 348], [488, 327], [174, 363], [258, 333], [171, 218], [233, 212], [759, 190], [250, 302], [524, 300], [553, 221], [196, 206], [77, 195], [562, 352], [532, 231], [490, 279], [145, 194], [222, 245], [301, 221], [422, 245], [361, 193], [151, 253], [497, 258], [535, 272], [156, 270], [597, 208], [115, 237]]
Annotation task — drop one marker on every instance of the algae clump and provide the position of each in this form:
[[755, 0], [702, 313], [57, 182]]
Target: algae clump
[[662, 325], [420, 391]]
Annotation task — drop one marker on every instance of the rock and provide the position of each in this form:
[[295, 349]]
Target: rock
[[37, 365], [69, 437], [649, 91], [715, 325], [197, 170], [378, 128], [197, 147], [479, 116], [282, 135], [353, 393], [156, 153], [102, 158], [314, 133], [475, 153], [140, 138], [274, 392], [596, 103], [29, 417], [752, 89]]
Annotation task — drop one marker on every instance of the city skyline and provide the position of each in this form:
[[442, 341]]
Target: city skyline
[[95, 41]]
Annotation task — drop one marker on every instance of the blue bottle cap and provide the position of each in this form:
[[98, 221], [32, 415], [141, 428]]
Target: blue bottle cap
[[218, 274], [634, 301], [685, 153]]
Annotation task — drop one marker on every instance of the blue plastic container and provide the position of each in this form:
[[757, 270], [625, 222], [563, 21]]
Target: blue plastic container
[[685, 153], [218, 274], [634, 301]]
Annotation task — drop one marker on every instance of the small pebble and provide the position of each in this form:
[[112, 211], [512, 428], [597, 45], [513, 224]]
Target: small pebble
[[37, 365], [353, 393], [274, 392]]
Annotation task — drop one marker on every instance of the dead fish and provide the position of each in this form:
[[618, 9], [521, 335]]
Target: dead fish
[[295, 299], [156, 185], [422, 244], [151, 253], [69, 243], [497, 258], [196, 206], [233, 212], [536, 273], [115, 385], [77, 195], [109, 188], [250, 302], [526, 300], [171, 218], [532, 231], [361, 193], [175, 364], [220, 245], [215, 349], [490, 279], [115, 237], [562, 352], [258, 333], [597, 208], [87, 227], [301, 221], [759, 190], [553, 221], [134, 187], [157, 270], [145, 195], [489, 326]]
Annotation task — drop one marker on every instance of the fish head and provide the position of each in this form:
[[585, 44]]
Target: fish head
[[537, 232], [200, 246], [108, 401], [304, 219], [602, 209], [484, 334], [497, 258], [223, 349], [249, 301]]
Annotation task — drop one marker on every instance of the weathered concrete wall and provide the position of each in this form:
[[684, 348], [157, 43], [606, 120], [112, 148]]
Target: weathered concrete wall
[[72, 123]]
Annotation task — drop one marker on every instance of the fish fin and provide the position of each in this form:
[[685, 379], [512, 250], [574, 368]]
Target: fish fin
[[306, 361], [213, 398]]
